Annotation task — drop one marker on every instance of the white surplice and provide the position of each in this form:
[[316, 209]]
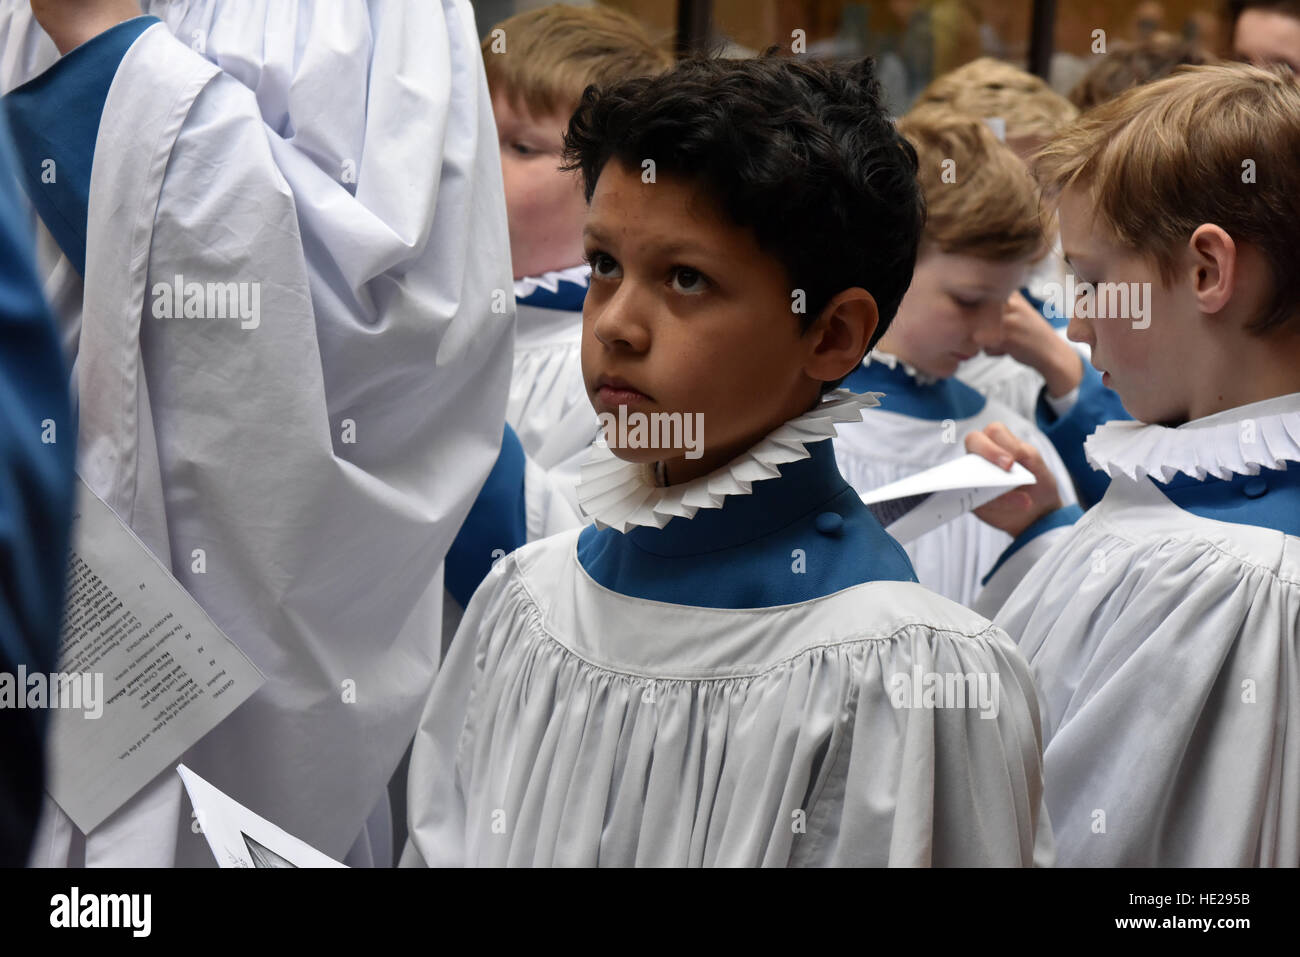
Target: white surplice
[[574, 724], [1166, 649]]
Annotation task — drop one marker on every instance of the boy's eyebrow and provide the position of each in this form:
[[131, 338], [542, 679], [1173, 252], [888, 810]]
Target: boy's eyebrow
[[666, 248]]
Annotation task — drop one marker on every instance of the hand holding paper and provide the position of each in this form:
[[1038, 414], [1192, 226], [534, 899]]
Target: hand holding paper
[[919, 503], [1017, 510]]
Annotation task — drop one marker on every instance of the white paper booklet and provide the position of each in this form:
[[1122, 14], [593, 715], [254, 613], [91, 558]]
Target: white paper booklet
[[240, 838], [913, 506], [155, 674]]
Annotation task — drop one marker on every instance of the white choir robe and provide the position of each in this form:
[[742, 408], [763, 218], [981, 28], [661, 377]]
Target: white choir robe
[[1164, 637], [604, 704], [548, 407], [922, 423], [342, 156]]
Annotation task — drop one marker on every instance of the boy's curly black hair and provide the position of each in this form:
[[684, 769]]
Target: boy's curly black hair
[[799, 151]]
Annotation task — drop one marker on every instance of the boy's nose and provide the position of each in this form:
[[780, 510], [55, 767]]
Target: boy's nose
[[989, 327], [1080, 330], [620, 319]]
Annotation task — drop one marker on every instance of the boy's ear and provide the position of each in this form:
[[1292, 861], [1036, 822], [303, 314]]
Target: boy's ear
[[1214, 262], [840, 334]]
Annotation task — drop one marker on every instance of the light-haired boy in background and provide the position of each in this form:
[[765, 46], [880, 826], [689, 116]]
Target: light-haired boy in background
[[1026, 113], [538, 63], [982, 233]]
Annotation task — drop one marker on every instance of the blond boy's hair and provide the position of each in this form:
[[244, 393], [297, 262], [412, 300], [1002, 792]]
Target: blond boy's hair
[[1208, 144], [987, 88], [979, 198], [544, 58], [1127, 65]]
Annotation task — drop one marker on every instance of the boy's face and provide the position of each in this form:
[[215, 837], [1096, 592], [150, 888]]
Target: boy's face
[[545, 206], [1149, 360], [687, 314], [952, 310]]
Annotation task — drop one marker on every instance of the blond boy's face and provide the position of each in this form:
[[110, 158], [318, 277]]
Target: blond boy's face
[[952, 310], [687, 314], [1149, 360], [545, 206]]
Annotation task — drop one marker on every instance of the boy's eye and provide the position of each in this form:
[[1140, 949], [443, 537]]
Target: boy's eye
[[603, 265], [522, 149], [689, 281], [965, 303]]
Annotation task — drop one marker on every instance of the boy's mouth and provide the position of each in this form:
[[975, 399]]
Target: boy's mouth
[[613, 391]]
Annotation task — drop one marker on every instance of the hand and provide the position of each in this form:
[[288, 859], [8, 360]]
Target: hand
[[1014, 511], [1030, 339], [70, 23]]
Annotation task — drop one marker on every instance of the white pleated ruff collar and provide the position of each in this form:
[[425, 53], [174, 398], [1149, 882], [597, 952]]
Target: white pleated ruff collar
[[1237, 441], [550, 281], [893, 362], [623, 495]]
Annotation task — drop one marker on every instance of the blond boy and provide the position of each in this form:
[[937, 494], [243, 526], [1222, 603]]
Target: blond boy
[[1163, 627], [982, 231]]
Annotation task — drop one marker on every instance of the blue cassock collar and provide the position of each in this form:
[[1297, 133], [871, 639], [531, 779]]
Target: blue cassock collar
[[943, 399], [794, 538], [568, 296], [1270, 499]]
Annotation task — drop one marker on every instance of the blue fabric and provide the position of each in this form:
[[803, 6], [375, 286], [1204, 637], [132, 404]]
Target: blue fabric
[[569, 296], [794, 538], [1065, 515], [945, 399], [496, 525], [36, 494], [1270, 499], [1097, 405], [1046, 309], [56, 117]]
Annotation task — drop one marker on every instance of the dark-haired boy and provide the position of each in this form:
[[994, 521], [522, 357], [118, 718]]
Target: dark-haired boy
[[734, 665]]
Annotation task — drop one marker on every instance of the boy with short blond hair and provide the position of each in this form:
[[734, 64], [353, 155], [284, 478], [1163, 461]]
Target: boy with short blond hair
[[1162, 627], [1032, 368], [986, 88], [538, 64], [982, 231]]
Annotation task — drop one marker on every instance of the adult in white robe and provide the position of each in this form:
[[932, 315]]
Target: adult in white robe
[[343, 158], [720, 673], [1163, 631]]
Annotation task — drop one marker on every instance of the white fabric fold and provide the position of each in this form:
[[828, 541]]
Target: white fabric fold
[[1166, 650], [343, 158], [575, 726]]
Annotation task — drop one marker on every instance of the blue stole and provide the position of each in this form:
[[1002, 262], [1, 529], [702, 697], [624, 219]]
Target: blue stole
[[495, 526], [801, 536], [55, 119]]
